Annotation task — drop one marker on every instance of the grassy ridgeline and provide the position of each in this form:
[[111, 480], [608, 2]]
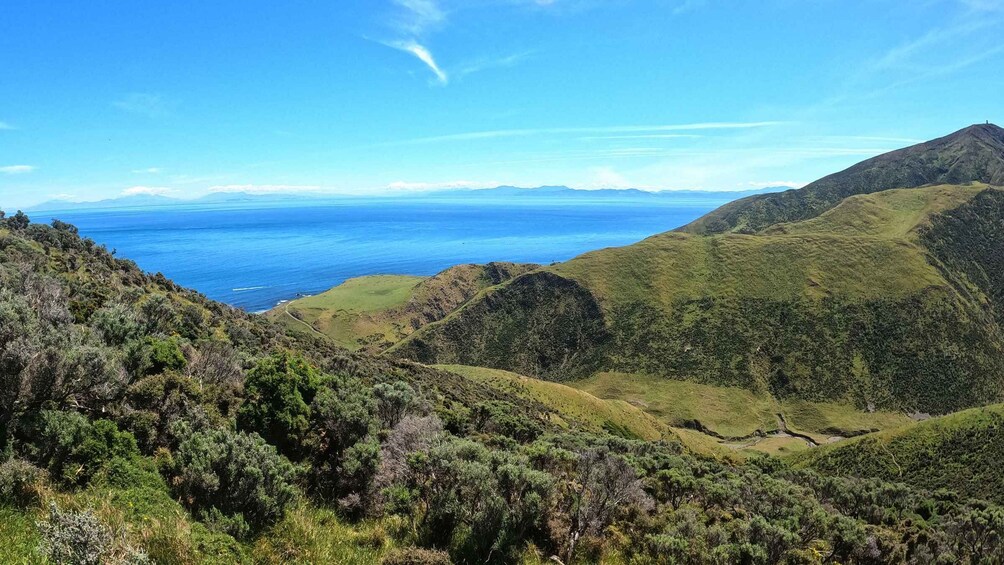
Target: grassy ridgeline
[[374, 312], [862, 305]]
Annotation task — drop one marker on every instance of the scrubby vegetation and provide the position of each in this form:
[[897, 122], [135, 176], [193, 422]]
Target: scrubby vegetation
[[144, 423], [960, 452]]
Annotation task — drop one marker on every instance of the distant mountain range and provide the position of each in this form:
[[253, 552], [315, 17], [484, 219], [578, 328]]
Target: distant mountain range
[[501, 192]]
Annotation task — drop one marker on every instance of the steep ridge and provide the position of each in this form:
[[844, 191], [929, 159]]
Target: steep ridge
[[973, 154], [888, 300]]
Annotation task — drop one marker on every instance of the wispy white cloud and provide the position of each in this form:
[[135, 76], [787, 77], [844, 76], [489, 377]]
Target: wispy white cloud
[[148, 171], [5, 125], [17, 169], [486, 63], [144, 104], [645, 136], [607, 177], [148, 191], [422, 54], [403, 186], [268, 188], [416, 17], [503, 133]]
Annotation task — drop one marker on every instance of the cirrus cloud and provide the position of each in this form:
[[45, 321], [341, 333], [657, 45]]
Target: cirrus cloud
[[17, 169]]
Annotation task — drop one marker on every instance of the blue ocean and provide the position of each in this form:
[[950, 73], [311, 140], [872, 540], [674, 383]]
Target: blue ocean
[[254, 257]]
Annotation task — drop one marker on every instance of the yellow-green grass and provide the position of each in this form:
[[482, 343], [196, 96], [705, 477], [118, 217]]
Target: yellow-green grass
[[865, 248], [734, 412], [891, 213], [349, 313], [824, 419], [595, 414], [19, 537], [592, 413], [315, 535], [727, 411], [778, 445], [672, 267], [167, 533]]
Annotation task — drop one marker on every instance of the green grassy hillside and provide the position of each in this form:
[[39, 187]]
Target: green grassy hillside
[[876, 303], [734, 412], [973, 154], [960, 452], [371, 313], [579, 407]]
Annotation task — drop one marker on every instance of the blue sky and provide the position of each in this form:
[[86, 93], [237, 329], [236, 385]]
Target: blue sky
[[103, 98]]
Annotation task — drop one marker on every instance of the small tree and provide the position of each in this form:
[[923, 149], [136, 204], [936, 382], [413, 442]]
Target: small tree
[[18, 221], [604, 484], [341, 416], [278, 393], [393, 401]]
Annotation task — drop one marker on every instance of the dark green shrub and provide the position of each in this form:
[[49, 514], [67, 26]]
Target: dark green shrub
[[278, 393], [73, 448], [393, 401], [117, 324], [234, 481], [153, 356], [481, 505], [165, 354], [126, 473], [157, 404], [341, 417], [503, 418]]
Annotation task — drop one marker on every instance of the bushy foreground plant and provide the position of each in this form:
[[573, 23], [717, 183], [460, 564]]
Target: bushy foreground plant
[[278, 393], [80, 538], [74, 449], [20, 482], [234, 481]]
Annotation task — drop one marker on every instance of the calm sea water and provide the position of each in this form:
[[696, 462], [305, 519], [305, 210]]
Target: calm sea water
[[255, 257]]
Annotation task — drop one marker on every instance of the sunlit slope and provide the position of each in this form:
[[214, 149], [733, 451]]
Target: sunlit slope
[[371, 313], [734, 412], [961, 452], [592, 413], [875, 303], [575, 408], [973, 154]]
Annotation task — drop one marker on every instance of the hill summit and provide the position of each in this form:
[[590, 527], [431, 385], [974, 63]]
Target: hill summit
[[972, 154]]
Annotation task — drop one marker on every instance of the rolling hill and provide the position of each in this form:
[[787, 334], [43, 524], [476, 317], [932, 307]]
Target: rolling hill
[[975, 153], [372, 313], [889, 298], [960, 452]]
